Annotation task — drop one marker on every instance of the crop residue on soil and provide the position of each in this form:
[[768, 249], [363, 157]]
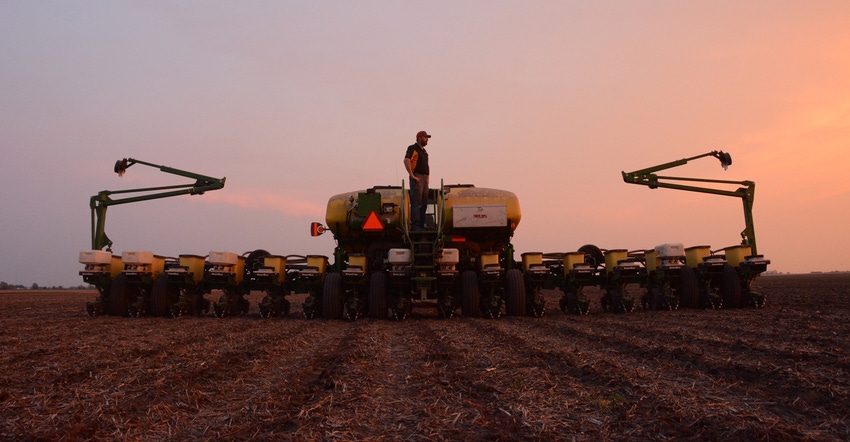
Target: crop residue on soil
[[779, 373]]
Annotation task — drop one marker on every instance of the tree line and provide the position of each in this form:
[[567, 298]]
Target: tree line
[[6, 286]]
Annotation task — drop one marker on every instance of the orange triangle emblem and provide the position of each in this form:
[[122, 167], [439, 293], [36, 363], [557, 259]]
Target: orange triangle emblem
[[373, 223]]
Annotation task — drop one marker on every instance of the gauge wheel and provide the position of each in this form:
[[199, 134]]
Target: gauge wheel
[[163, 296], [332, 301], [688, 288], [470, 295], [118, 303], [731, 287], [378, 296], [514, 293]]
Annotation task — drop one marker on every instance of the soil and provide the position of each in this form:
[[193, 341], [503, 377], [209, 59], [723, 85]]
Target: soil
[[778, 373]]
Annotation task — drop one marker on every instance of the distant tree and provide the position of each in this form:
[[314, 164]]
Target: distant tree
[[34, 286], [4, 285]]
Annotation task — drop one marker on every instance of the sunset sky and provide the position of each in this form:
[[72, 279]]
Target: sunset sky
[[296, 101]]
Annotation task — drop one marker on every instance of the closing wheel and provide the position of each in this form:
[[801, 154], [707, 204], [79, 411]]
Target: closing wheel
[[118, 303], [625, 305], [672, 302], [712, 301], [311, 307], [401, 310], [514, 293], [470, 302], [378, 296], [569, 303], [219, 309], [274, 305], [332, 301], [731, 287], [582, 306], [222, 308], [352, 308], [163, 296], [562, 303], [659, 300], [285, 306], [688, 288], [231, 303], [535, 304], [445, 309], [615, 302]]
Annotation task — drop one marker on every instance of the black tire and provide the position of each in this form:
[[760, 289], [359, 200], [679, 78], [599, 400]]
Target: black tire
[[118, 303], [332, 300], [514, 293], [688, 288], [163, 296], [378, 296], [253, 262], [598, 258], [470, 302], [731, 287]]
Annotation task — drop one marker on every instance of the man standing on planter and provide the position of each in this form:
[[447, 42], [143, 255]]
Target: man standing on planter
[[416, 163]]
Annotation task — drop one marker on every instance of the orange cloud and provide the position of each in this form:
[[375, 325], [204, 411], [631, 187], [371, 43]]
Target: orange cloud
[[259, 199], [805, 154]]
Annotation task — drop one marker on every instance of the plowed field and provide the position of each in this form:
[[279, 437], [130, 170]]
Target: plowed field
[[779, 373]]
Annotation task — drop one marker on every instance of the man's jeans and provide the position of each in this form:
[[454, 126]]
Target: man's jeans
[[418, 201]]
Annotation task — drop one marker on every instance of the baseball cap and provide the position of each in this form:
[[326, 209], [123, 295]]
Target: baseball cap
[[422, 133]]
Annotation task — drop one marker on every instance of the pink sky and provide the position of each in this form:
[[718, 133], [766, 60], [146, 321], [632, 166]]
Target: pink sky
[[297, 101]]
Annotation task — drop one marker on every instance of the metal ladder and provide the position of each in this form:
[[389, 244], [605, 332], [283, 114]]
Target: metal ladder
[[426, 245]]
